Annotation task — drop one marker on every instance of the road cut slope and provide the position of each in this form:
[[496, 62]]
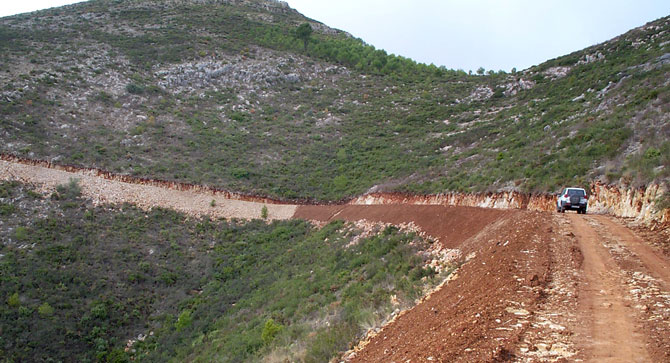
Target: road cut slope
[[449, 225]]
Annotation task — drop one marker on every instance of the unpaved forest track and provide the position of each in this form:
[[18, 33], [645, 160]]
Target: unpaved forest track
[[146, 196], [533, 287], [449, 225], [626, 293], [611, 333], [656, 263]]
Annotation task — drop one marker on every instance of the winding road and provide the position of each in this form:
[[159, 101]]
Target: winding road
[[532, 286]]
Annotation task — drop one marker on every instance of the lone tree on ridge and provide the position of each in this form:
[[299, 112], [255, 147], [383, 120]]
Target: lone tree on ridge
[[304, 32]]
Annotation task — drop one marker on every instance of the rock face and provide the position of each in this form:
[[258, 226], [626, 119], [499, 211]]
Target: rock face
[[517, 85], [499, 200], [620, 201]]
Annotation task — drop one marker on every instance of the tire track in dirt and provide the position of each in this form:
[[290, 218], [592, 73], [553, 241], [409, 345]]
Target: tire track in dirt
[[610, 332], [658, 265], [641, 269]]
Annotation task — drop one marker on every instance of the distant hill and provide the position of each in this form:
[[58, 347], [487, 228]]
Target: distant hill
[[225, 93]]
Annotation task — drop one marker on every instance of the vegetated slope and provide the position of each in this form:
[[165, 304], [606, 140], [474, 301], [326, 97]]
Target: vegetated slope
[[111, 283], [224, 93]]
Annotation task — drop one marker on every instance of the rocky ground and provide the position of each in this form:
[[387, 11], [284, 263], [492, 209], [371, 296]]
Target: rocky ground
[[101, 190]]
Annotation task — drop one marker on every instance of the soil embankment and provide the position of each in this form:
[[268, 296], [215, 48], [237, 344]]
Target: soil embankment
[[447, 224], [481, 314]]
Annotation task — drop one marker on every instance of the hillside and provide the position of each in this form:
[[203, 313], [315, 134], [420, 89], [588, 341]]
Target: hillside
[[114, 282], [224, 93]]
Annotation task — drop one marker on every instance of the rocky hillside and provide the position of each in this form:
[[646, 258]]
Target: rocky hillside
[[225, 93]]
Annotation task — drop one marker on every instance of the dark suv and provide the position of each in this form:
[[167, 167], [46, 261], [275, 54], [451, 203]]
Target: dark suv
[[572, 198]]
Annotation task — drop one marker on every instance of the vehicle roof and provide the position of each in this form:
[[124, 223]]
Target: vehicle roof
[[576, 188]]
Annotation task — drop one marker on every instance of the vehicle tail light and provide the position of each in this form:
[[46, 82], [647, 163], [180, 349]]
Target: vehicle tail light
[[565, 196], [586, 197]]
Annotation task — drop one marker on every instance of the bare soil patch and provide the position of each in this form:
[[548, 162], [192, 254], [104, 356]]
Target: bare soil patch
[[449, 225], [481, 314], [610, 332]]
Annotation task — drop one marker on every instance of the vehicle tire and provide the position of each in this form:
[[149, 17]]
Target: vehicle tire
[[583, 210]]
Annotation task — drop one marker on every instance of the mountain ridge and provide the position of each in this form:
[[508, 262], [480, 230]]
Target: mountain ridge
[[222, 93]]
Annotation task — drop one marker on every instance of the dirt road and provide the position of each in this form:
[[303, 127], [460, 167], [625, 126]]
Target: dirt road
[[449, 225], [531, 286], [146, 196], [540, 287], [610, 332], [624, 298]]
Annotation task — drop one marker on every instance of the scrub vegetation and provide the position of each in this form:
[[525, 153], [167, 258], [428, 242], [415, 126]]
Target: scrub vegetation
[[115, 283], [243, 96], [253, 97]]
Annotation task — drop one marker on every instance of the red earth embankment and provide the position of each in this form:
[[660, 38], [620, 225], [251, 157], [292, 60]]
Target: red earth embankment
[[480, 315], [448, 224]]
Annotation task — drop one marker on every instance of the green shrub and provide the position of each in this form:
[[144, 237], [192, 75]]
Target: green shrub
[[71, 190], [270, 331], [134, 88], [21, 233], [117, 355], [264, 212], [99, 311], [25, 311], [6, 209], [239, 173], [45, 310], [652, 153], [184, 320], [13, 300], [329, 341]]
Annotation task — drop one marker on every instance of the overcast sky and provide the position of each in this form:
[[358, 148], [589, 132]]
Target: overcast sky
[[466, 34]]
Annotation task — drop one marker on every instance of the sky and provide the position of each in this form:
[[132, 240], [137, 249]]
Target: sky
[[466, 34]]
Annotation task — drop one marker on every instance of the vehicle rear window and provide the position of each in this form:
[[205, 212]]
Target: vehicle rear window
[[578, 192]]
